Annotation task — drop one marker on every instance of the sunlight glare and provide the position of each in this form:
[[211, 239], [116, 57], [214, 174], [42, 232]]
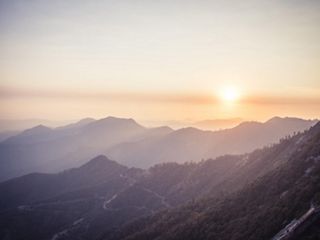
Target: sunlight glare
[[229, 94]]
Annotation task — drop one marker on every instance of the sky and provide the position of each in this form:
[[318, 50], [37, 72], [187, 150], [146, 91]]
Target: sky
[[159, 60]]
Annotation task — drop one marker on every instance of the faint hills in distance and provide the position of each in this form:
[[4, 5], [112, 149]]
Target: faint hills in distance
[[216, 124], [20, 125], [44, 149], [192, 144], [207, 124]]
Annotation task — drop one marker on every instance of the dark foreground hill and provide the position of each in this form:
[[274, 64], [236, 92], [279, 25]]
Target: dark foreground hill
[[250, 196], [282, 197]]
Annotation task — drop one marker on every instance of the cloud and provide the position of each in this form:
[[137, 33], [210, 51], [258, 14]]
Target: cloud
[[151, 97], [281, 100], [9, 93]]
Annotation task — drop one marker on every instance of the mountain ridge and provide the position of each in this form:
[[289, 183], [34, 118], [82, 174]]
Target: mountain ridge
[[129, 203], [132, 144]]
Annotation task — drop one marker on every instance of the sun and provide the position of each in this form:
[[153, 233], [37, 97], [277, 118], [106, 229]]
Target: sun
[[229, 94]]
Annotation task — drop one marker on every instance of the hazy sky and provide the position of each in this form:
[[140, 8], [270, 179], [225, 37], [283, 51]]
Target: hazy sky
[[159, 60]]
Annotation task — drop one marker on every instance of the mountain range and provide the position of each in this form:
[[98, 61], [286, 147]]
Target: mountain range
[[49, 150], [246, 196], [216, 124], [14, 125]]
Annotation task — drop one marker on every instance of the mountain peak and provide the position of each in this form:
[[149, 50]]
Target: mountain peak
[[278, 119], [248, 124], [165, 129], [86, 120], [274, 119], [37, 130], [113, 122], [117, 119], [77, 124], [99, 162], [98, 159], [189, 130]]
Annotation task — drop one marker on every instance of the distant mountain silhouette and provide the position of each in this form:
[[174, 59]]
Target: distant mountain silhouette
[[36, 134], [78, 124], [44, 149], [191, 144], [20, 125], [216, 124], [7, 134]]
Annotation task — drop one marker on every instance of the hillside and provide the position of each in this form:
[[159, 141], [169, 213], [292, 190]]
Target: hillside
[[230, 197], [258, 211]]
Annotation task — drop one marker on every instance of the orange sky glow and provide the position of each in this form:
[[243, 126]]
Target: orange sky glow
[[159, 60]]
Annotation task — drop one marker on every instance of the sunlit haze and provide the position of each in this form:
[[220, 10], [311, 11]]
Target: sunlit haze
[[159, 60], [229, 94]]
